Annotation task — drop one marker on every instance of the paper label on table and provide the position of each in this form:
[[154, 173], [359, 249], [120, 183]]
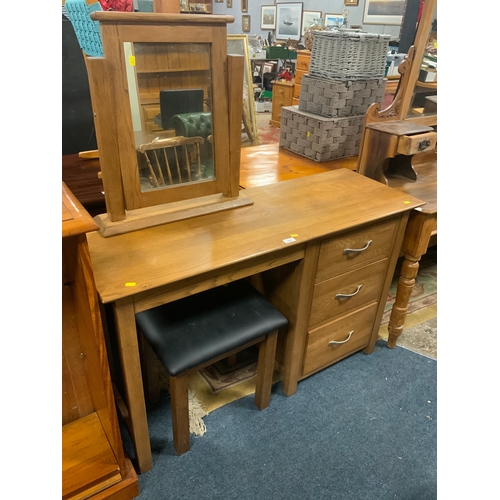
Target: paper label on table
[[130, 283], [289, 240]]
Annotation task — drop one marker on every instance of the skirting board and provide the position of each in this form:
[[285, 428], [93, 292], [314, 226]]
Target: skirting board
[[143, 218]]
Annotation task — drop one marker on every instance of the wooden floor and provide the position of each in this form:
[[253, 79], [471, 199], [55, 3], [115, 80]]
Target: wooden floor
[[266, 164]]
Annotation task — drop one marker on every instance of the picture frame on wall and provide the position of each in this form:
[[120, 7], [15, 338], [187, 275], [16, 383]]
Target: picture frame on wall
[[229, 4], [332, 20], [389, 12], [245, 23], [309, 18], [289, 21], [268, 17], [244, 5], [350, 2]]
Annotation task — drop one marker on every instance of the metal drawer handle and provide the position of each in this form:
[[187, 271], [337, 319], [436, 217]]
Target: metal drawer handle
[[424, 144], [332, 342], [357, 250], [348, 295]]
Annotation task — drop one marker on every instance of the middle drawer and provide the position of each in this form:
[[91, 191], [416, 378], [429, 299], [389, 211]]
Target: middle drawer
[[338, 296]]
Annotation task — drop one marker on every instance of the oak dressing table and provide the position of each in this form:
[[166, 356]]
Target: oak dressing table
[[322, 248]]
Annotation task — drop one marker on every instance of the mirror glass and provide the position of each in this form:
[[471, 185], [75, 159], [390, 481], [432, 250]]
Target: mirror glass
[[170, 91], [424, 98]]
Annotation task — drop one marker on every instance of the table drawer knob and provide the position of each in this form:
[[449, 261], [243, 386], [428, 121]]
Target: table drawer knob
[[348, 295], [358, 250], [424, 144], [333, 342]]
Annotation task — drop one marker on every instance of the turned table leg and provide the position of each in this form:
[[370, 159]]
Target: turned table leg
[[409, 271], [417, 235]]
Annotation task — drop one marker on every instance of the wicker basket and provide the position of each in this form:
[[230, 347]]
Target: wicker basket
[[347, 54]]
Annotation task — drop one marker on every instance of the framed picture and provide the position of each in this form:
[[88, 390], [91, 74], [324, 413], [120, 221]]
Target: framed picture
[[350, 2], [244, 5], [229, 4], [386, 12], [183, 5], [268, 17], [333, 20], [289, 21], [245, 23], [309, 18]]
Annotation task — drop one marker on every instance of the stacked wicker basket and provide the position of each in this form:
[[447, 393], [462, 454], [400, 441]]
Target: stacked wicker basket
[[346, 75]]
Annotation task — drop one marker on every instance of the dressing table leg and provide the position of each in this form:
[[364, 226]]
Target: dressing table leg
[[416, 240], [136, 418]]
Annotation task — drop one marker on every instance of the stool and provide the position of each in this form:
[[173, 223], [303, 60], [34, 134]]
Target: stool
[[199, 330]]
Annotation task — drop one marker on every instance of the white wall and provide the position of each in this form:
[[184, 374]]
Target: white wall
[[325, 6]]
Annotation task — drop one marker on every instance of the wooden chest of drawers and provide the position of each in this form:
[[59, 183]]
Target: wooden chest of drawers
[[352, 272], [347, 292], [301, 68], [282, 96]]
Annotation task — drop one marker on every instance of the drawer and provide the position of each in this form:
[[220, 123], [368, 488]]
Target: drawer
[[296, 91], [303, 62], [150, 111], [345, 293], [352, 332], [363, 246], [298, 76], [282, 96], [413, 144]]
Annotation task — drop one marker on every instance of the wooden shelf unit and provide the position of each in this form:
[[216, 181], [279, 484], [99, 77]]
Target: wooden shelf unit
[[93, 461]]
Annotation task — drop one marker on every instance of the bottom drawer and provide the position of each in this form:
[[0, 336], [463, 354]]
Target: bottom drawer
[[352, 332]]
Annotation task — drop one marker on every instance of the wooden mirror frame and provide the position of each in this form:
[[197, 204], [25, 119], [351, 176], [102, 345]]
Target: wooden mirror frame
[[128, 208], [409, 70], [250, 114]]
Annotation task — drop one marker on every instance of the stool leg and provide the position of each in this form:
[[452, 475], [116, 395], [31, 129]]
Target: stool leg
[[265, 369], [180, 412]]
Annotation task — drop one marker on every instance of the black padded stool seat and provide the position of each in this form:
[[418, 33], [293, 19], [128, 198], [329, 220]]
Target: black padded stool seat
[[201, 329]]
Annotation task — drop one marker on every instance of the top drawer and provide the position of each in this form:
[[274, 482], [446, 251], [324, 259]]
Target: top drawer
[[363, 246], [303, 61]]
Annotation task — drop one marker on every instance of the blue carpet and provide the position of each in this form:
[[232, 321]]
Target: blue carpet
[[364, 428]]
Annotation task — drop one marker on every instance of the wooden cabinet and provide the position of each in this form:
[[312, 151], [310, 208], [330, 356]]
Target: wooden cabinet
[[282, 96], [348, 291], [93, 461], [344, 299], [301, 68]]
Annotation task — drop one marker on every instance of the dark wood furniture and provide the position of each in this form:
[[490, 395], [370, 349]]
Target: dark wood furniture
[[93, 462], [322, 249]]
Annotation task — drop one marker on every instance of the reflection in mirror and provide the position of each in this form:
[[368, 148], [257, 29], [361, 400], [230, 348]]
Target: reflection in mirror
[[170, 90], [424, 99]]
